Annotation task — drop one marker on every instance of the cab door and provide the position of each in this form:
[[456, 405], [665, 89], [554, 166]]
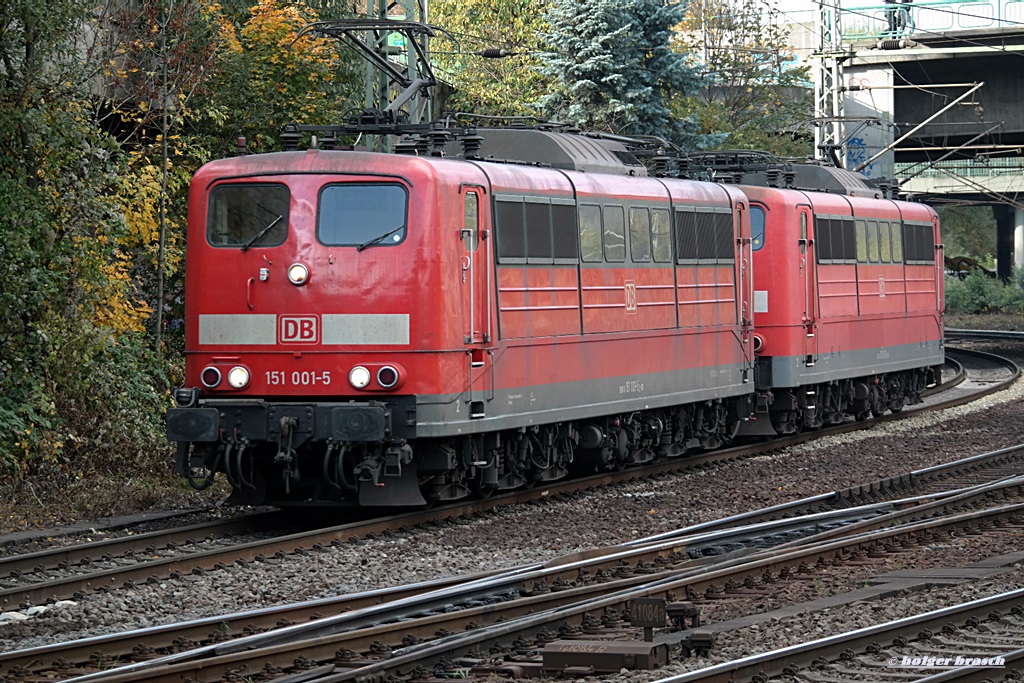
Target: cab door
[[477, 298], [808, 282]]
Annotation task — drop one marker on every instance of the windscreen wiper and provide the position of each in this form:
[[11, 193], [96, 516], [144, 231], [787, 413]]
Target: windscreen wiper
[[377, 239], [261, 233]]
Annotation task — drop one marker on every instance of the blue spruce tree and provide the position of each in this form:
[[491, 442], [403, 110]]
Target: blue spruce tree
[[614, 68]]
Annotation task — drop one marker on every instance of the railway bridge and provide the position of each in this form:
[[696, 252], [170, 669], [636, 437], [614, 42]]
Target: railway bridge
[[930, 93]]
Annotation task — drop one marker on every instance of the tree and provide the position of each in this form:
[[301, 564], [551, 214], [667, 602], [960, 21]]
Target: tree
[[159, 58], [613, 67], [267, 77], [968, 231], [499, 86], [749, 90], [74, 371]]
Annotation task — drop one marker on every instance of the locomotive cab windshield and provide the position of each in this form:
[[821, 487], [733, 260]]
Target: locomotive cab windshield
[[362, 215], [247, 215]]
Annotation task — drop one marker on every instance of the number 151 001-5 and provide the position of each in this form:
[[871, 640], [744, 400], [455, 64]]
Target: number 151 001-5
[[280, 377]]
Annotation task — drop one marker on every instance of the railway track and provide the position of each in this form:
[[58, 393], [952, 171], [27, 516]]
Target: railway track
[[64, 573], [975, 641], [311, 542], [705, 560]]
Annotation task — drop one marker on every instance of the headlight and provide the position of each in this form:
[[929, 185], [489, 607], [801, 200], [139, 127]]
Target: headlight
[[359, 377], [210, 377], [238, 377], [387, 377], [298, 273]]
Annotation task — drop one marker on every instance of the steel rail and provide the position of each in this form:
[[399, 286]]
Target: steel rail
[[957, 334], [318, 641], [774, 663], [789, 519], [429, 653], [154, 540], [1014, 662], [886, 486], [169, 567]]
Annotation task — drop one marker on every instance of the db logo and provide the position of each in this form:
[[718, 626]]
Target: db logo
[[298, 329], [630, 296]]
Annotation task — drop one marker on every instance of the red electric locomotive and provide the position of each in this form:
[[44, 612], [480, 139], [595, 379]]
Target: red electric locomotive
[[392, 329], [398, 328], [847, 300]]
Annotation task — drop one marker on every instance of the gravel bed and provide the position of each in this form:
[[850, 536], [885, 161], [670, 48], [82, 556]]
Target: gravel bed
[[511, 537]]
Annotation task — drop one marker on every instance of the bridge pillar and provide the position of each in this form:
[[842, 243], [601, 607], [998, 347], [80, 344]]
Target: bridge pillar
[[1006, 225], [1018, 237]]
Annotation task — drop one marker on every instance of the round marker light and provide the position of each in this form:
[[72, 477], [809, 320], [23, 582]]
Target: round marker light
[[210, 377], [387, 377], [359, 377], [298, 273], [238, 377]]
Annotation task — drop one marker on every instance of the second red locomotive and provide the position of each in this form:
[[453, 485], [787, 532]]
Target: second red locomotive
[[398, 328]]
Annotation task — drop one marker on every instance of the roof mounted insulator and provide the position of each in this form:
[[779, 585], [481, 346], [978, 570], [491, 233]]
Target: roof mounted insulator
[[242, 146], [437, 140], [773, 176], [413, 146], [788, 176], [661, 165], [471, 145], [329, 141], [290, 137]]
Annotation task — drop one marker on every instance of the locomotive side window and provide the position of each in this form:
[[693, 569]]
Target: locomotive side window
[[757, 221], [563, 229], [918, 243], [590, 232], [471, 221], [661, 237], [614, 233], [705, 236], [686, 235], [248, 215], [862, 242], [837, 239], [640, 235], [538, 233], [536, 229], [897, 241], [361, 215], [510, 224], [884, 242]]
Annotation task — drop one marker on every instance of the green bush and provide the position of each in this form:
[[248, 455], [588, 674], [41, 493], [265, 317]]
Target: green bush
[[979, 293]]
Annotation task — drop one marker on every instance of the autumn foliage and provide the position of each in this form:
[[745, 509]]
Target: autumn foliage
[[92, 100]]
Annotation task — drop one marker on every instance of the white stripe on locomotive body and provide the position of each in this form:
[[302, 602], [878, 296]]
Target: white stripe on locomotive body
[[259, 329], [365, 328], [243, 329]]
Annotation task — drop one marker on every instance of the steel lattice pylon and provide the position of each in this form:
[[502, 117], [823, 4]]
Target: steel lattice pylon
[[400, 51], [828, 84]]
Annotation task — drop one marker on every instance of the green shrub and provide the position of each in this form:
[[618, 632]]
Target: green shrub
[[979, 293]]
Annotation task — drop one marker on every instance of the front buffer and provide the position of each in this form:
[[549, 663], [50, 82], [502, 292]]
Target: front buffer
[[264, 447]]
